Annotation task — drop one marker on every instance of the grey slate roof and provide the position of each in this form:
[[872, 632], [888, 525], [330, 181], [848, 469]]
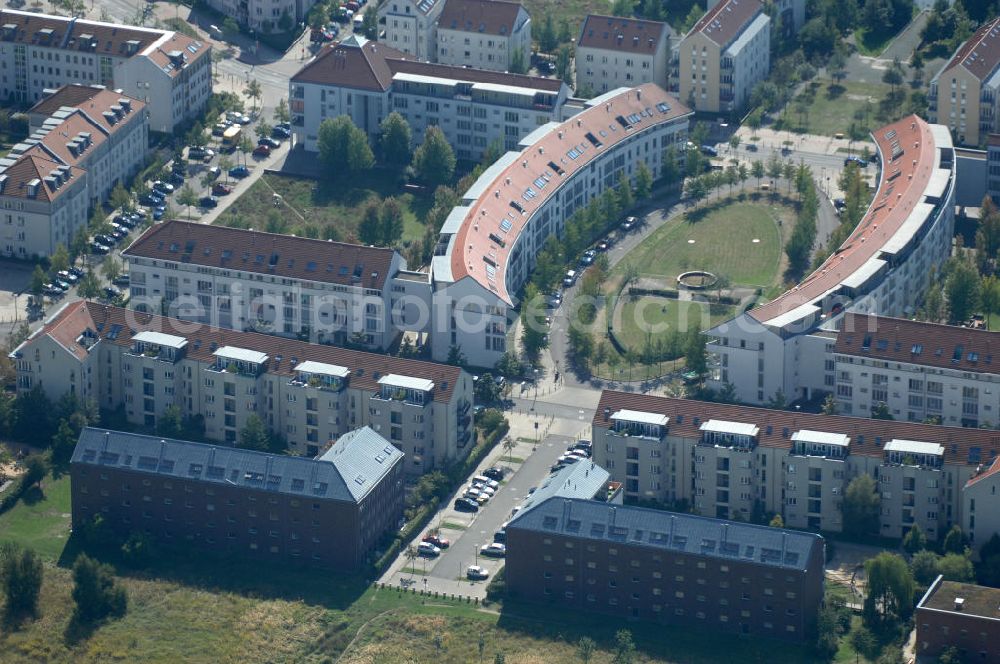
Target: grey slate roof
[[583, 479], [184, 460], [362, 457], [695, 535]]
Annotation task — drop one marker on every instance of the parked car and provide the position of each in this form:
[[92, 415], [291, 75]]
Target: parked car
[[463, 504], [630, 224], [709, 150], [484, 490], [67, 276], [213, 172], [262, 151], [111, 292], [220, 129], [584, 444], [150, 199], [76, 272], [208, 202], [239, 172], [221, 189], [121, 280], [482, 479], [51, 291], [281, 132], [320, 36], [857, 160], [437, 541], [493, 550], [176, 178], [269, 142], [158, 213], [603, 245], [197, 152], [477, 573], [570, 278], [494, 473], [163, 187], [99, 248], [428, 550]]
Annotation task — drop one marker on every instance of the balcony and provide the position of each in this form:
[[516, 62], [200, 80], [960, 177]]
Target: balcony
[[158, 346], [913, 454], [412, 391], [320, 376], [726, 64], [638, 424]]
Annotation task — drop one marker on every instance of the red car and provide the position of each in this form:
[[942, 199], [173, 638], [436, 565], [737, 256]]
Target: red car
[[262, 151], [439, 542], [221, 189]]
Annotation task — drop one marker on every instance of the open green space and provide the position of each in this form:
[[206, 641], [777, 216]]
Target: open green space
[[41, 519], [718, 239], [648, 316], [833, 108], [322, 209]]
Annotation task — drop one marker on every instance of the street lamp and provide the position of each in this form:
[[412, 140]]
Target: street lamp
[[475, 552]]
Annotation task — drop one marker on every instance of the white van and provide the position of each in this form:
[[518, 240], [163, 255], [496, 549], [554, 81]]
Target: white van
[[569, 279]]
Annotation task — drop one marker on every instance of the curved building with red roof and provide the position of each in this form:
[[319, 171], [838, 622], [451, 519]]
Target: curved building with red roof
[[488, 244], [881, 269]]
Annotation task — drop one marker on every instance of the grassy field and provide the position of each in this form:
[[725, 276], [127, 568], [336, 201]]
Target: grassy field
[[198, 609], [649, 315], [834, 107], [322, 209], [720, 241]]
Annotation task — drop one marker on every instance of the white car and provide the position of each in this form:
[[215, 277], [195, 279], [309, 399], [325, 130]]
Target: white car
[[482, 479], [567, 459], [485, 490], [429, 550], [493, 550], [477, 573]]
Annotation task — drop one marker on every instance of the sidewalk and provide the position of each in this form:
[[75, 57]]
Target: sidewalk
[[773, 140]]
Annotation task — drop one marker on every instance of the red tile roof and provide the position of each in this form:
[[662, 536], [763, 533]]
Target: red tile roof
[[980, 54], [253, 251], [115, 325], [490, 17], [902, 184], [989, 472], [926, 344], [777, 426], [33, 166], [726, 20], [475, 247], [67, 95], [627, 35]]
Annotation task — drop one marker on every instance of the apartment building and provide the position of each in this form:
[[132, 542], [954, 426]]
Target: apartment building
[[487, 246], [918, 371], [993, 167], [964, 95], [723, 56], [307, 393], [50, 183], [785, 345], [790, 14], [665, 567], [730, 461], [264, 16], [318, 290], [614, 52], [959, 615], [368, 80], [329, 511], [410, 26], [484, 34], [170, 72]]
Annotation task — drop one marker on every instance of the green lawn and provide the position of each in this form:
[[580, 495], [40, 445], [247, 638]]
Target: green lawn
[[721, 241], [834, 107], [648, 316], [41, 521], [322, 209]]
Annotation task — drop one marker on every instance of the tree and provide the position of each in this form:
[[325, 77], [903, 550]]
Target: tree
[[564, 63], [534, 330], [63, 443], [187, 197], [170, 424], [670, 170], [120, 199], [88, 287], [499, 658], [956, 567], [78, 245], [38, 280], [962, 289], [837, 64], [486, 389], [59, 260], [343, 147], [624, 647], [695, 355], [369, 26], [893, 76], [863, 642], [954, 540], [890, 589], [281, 112], [777, 521], [585, 648], [924, 565], [829, 405], [22, 573], [434, 160], [914, 540], [254, 435], [35, 470], [370, 226], [230, 28], [390, 216], [693, 17], [643, 182], [880, 411], [395, 140], [757, 170], [455, 356], [626, 197], [861, 507], [95, 592], [111, 268], [518, 62], [254, 91]]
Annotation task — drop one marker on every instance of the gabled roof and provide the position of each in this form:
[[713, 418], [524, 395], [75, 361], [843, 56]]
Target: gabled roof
[[352, 63], [963, 446], [67, 95], [490, 17], [265, 253], [672, 531], [311, 479], [980, 54], [626, 35], [34, 168], [727, 19], [115, 325], [989, 472], [583, 479], [915, 342]]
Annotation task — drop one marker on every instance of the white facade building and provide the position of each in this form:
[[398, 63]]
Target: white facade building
[[785, 346], [410, 26], [484, 34], [307, 393], [614, 52], [488, 243], [367, 81], [170, 72], [264, 16]]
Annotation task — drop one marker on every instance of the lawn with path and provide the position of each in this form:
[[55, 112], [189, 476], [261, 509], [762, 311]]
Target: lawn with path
[[834, 107], [647, 316]]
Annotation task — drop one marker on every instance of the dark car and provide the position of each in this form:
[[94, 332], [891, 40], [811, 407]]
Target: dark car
[[239, 172], [262, 151], [857, 160], [52, 291], [152, 198], [709, 150], [120, 280], [208, 202], [111, 292], [177, 177], [494, 473], [76, 272], [269, 142], [466, 505], [163, 187], [99, 248], [221, 189], [281, 132]]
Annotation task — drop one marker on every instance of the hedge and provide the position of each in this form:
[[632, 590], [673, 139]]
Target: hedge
[[12, 495]]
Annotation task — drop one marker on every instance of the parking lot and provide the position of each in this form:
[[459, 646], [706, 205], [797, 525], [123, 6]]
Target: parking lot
[[467, 532]]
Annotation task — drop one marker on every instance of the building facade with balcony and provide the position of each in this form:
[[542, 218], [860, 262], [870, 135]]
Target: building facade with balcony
[[740, 462], [666, 567], [956, 615], [170, 72], [306, 393], [367, 80], [484, 34], [723, 56], [965, 93], [785, 346], [489, 242], [614, 52], [322, 291], [330, 511]]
